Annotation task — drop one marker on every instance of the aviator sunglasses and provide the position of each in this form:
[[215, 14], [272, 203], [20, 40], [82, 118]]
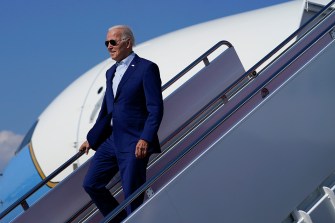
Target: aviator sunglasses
[[113, 42]]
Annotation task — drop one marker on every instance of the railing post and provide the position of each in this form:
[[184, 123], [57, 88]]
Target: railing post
[[24, 205], [206, 61]]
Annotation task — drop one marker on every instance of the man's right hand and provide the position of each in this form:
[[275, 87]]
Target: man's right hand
[[85, 147]]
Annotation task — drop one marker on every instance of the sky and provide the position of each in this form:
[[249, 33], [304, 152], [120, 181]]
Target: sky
[[46, 45]]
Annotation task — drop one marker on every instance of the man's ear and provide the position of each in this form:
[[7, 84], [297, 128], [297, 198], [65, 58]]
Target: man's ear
[[129, 44]]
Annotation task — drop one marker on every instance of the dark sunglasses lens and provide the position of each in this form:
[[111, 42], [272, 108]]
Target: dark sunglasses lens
[[112, 42]]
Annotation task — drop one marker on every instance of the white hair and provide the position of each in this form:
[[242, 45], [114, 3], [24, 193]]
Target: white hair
[[126, 32]]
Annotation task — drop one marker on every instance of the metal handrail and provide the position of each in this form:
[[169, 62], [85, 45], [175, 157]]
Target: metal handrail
[[22, 200], [152, 180], [203, 57]]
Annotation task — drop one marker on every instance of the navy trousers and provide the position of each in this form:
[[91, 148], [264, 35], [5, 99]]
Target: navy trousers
[[105, 163]]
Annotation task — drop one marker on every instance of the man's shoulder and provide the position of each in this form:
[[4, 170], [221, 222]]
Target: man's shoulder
[[143, 60]]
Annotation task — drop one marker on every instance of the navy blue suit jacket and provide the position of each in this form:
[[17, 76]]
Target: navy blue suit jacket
[[136, 110]]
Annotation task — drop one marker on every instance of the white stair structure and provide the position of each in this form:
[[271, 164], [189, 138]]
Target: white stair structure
[[237, 146]]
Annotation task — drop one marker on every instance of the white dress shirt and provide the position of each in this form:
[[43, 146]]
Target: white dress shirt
[[120, 70]]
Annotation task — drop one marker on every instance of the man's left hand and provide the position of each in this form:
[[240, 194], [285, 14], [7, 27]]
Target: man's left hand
[[141, 149]]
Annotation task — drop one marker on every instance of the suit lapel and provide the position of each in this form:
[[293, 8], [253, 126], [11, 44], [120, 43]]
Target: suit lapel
[[109, 88], [130, 70]]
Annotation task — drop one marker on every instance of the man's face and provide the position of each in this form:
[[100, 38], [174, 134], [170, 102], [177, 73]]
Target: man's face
[[122, 48]]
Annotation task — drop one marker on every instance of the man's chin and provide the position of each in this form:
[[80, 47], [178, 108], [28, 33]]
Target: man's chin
[[112, 55], [114, 58]]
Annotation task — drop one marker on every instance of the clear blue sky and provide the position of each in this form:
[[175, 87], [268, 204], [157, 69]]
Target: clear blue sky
[[45, 45]]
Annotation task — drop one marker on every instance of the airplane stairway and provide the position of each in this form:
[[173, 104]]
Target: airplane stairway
[[259, 169], [251, 150], [265, 150]]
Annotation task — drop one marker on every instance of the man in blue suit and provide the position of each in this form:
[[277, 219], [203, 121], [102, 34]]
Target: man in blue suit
[[125, 133]]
